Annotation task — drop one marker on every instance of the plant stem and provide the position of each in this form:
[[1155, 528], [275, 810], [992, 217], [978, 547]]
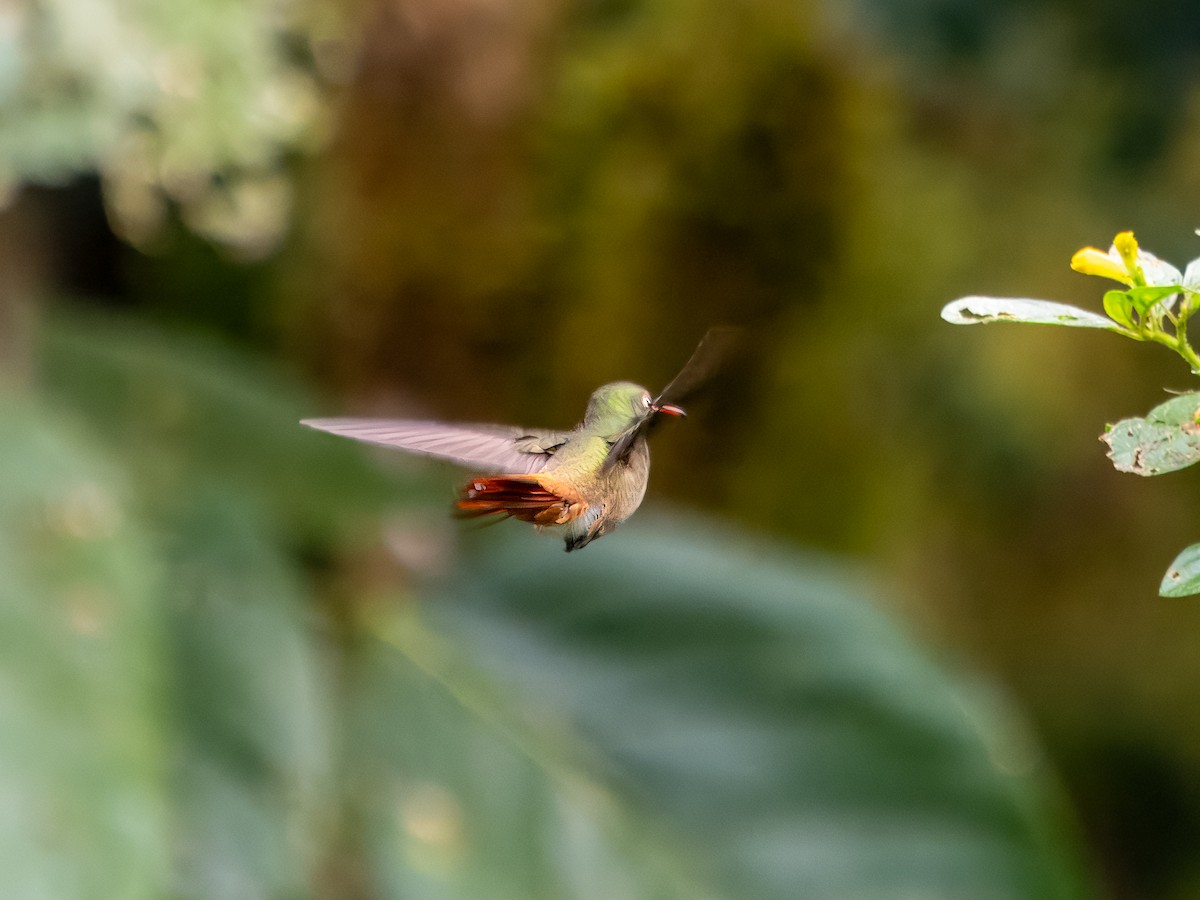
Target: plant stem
[[1185, 350], [1177, 342]]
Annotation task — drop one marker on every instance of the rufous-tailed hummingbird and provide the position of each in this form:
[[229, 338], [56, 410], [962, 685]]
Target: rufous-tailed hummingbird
[[585, 481]]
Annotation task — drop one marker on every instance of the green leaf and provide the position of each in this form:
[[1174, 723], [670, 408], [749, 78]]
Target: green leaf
[[1182, 578], [249, 697], [1166, 440], [230, 485], [457, 802], [1191, 277], [83, 768], [1118, 305], [983, 310], [671, 714], [759, 714], [185, 409], [1146, 296]]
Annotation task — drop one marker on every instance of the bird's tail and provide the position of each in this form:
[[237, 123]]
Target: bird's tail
[[530, 498]]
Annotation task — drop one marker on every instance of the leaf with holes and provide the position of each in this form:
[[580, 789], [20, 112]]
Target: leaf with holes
[[1182, 578], [984, 310], [1166, 440]]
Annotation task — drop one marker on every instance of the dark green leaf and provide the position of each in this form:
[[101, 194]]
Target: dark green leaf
[[1167, 439], [760, 713], [1182, 578]]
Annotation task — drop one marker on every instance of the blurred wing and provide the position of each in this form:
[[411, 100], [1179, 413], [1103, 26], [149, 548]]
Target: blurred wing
[[492, 448], [619, 451], [715, 346]]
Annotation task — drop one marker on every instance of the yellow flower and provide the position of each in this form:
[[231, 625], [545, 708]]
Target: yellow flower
[[1127, 263], [1138, 270], [1126, 246], [1091, 261]]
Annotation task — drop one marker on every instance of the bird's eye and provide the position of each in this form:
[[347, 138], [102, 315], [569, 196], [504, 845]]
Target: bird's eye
[[646, 401]]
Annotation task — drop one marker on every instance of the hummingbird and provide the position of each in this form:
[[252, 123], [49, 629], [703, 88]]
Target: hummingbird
[[583, 482]]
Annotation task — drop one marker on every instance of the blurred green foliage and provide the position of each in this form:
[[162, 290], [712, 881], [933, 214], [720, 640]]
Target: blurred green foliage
[[194, 106], [486, 210], [84, 755], [684, 714]]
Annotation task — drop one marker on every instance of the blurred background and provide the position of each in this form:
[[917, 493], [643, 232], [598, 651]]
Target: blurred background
[[887, 625]]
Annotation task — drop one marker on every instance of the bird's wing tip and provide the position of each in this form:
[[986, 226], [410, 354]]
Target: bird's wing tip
[[318, 424]]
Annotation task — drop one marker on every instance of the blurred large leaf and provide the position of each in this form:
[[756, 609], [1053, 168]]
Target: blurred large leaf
[[187, 410], [457, 804], [262, 750], [757, 710], [232, 487], [669, 715], [250, 705], [82, 772]]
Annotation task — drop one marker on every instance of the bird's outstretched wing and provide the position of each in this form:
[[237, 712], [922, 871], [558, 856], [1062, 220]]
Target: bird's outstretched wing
[[717, 343], [488, 448]]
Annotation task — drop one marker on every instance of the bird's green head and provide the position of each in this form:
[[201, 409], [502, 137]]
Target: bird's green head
[[616, 406]]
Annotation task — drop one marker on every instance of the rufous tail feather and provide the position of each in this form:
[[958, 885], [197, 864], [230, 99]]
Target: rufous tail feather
[[525, 497]]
